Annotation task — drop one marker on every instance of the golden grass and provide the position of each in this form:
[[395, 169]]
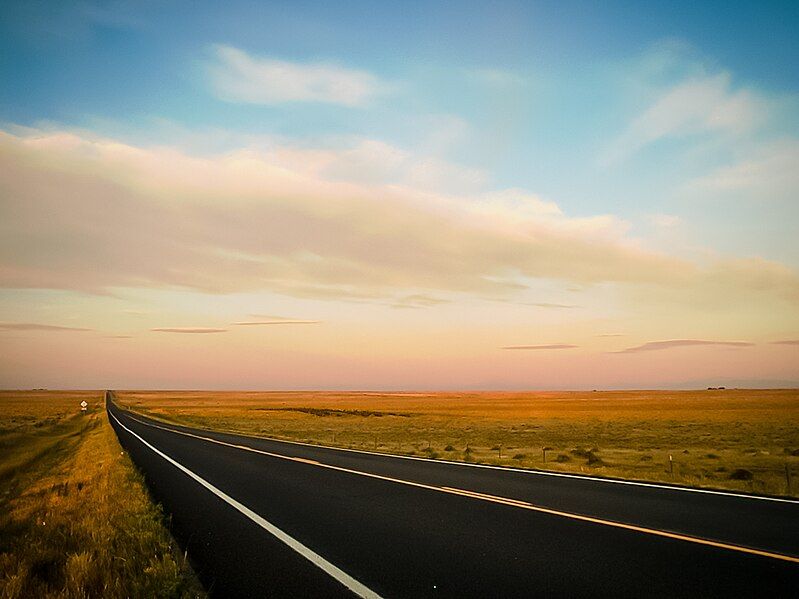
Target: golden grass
[[631, 434], [75, 519]]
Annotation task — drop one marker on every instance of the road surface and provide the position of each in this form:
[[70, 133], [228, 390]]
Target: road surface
[[264, 518]]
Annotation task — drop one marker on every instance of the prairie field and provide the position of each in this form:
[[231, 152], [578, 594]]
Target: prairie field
[[75, 518], [746, 440]]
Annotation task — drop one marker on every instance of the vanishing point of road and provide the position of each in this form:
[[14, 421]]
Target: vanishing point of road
[[267, 518]]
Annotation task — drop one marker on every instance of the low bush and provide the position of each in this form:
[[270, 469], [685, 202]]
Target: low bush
[[742, 474]]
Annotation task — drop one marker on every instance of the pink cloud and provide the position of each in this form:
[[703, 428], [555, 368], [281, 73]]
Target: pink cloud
[[659, 345], [550, 346], [199, 330], [282, 321], [33, 326]]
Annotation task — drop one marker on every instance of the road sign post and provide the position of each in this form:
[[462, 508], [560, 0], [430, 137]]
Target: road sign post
[[83, 406]]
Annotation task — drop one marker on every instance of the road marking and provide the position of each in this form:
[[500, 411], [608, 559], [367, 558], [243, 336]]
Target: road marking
[[651, 531], [348, 581], [528, 471], [492, 498]]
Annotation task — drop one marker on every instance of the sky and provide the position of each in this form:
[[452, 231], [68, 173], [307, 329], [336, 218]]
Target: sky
[[414, 195]]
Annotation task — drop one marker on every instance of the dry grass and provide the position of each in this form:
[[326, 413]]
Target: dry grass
[[630, 434], [75, 519]]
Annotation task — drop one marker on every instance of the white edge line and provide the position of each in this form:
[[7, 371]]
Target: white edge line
[[348, 581], [615, 481]]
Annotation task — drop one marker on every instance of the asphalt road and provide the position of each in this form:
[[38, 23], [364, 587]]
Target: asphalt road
[[263, 518]]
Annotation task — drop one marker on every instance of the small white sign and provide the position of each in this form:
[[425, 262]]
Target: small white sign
[[83, 406]]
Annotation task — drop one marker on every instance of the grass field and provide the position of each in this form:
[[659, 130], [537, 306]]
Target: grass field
[[75, 518], [730, 439]]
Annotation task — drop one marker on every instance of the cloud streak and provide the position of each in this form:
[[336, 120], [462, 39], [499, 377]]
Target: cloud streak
[[552, 305], [236, 76], [271, 322], [661, 345], [33, 326], [786, 342], [769, 174], [190, 330], [542, 347], [694, 106], [418, 300]]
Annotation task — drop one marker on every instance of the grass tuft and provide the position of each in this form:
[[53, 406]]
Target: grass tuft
[[75, 517]]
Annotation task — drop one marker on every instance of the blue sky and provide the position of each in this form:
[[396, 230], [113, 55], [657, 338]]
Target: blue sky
[[127, 64], [667, 129]]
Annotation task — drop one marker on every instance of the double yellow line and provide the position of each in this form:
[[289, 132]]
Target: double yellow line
[[492, 499]]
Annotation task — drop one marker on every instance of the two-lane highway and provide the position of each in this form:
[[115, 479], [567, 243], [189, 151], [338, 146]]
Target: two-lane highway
[[270, 518]]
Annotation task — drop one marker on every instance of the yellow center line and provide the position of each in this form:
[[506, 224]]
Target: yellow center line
[[633, 527], [493, 499]]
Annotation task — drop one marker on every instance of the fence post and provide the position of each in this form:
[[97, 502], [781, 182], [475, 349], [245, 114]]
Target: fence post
[[671, 465]]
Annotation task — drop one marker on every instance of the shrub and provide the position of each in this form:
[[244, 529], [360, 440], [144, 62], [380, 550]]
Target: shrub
[[594, 459], [449, 448], [742, 474], [520, 456], [562, 457]]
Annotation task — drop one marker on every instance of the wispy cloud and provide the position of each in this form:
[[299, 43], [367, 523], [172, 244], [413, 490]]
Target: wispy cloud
[[119, 336], [552, 305], [34, 326], [660, 345], [786, 342], [370, 161], [268, 322], [198, 330], [418, 300], [236, 76], [550, 346], [697, 105], [769, 173], [273, 317]]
